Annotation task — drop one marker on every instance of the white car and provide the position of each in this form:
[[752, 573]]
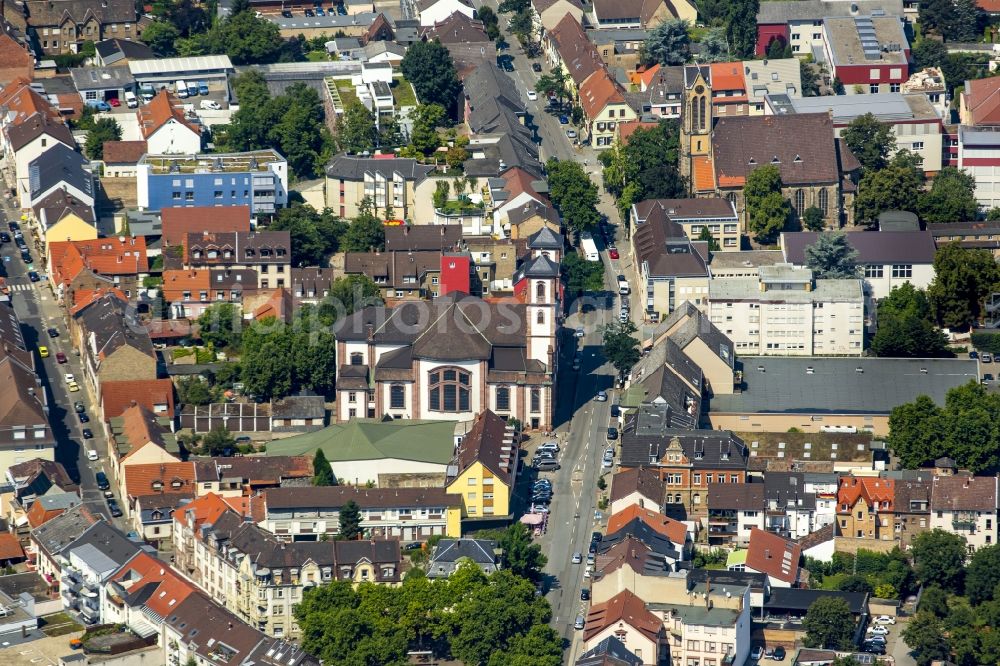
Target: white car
[[577, 558], [570, 134], [601, 396], [885, 619], [69, 378], [91, 454], [549, 446], [878, 630], [532, 96]]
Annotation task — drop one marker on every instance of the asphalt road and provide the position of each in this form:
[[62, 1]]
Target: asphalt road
[[37, 309]]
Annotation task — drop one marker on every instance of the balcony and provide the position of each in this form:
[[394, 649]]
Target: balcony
[[964, 524]]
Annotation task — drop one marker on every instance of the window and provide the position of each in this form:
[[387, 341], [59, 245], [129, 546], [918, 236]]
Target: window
[[824, 201], [540, 292], [917, 145], [800, 201], [894, 87], [873, 88], [397, 396], [503, 399], [357, 358], [873, 271], [536, 400], [902, 270], [448, 390]]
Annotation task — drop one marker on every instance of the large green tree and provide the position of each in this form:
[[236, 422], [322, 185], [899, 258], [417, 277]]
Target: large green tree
[[924, 635], [348, 294], [104, 129], [939, 558], [768, 210], [644, 166], [356, 131], [246, 39], [929, 53], [870, 140], [832, 257], [714, 47], [621, 347], [426, 120], [322, 472], [952, 198], [574, 194], [161, 37], [429, 67], [521, 555], [350, 521], [963, 278], [366, 233], [315, 235], [896, 187], [906, 328], [280, 359], [829, 624], [982, 576], [220, 325], [217, 441], [668, 43], [581, 275], [741, 27]]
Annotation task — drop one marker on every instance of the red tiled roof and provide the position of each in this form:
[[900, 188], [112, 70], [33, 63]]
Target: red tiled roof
[[770, 554], [179, 222], [674, 530], [158, 478], [598, 91], [648, 76], [38, 515], [704, 174], [989, 6], [10, 548], [727, 76], [205, 509], [123, 152], [623, 607], [878, 493], [158, 112], [982, 98], [116, 397], [13, 54], [176, 282], [627, 129], [144, 569], [84, 297], [104, 256], [18, 98], [278, 305], [519, 181]]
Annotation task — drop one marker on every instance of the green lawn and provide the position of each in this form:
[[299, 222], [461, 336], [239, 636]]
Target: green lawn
[[402, 92], [58, 624], [347, 94], [317, 56]]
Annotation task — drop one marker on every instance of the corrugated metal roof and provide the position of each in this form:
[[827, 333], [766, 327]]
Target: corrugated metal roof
[[191, 64]]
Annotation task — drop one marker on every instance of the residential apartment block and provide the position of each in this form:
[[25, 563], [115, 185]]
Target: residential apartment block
[[787, 312]]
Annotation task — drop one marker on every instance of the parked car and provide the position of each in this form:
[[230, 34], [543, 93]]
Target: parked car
[[885, 619], [601, 396], [60, 357], [310, 13], [26, 256], [873, 647], [33, 276], [114, 102], [113, 508], [88, 433], [539, 508], [612, 433], [549, 446], [584, 594], [73, 387], [83, 417], [577, 558], [43, 352], [53, 332], [92, 454], [564, 120], [779, 654], [579, 333], [4, 237], [532, 96], [570, 134], [757, 653], [613, 253], [987, 377], [78, 406], [973, 354], [878, 630], [580, 622], [102, 481], [536, 66], [986, 357], [286, 13]]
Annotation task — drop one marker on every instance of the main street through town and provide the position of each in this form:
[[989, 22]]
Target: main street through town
[[582, 421], [38, 311]]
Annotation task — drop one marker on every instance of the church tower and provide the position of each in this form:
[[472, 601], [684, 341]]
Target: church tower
[[541, 271], [696, 119]]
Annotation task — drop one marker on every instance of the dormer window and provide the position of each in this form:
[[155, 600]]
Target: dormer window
[[775, 160], [157, 485], [752, 161], [249, 252], [797, 159], [196, 254], [227, 253], [212, 254]]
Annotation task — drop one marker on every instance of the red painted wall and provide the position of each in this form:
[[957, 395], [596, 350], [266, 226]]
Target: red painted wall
[[455, 274], [860, 74], [767, 32]]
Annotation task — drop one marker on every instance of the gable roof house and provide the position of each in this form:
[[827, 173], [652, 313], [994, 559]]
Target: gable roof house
[[432, 12], [643, 14], [665, 536], [19, 101], [388, 181], [604, 107], [495, 115], [864, 509], [115, 345], [48, 540], [165, 127], [734, 509], [62, 26], [769, 554], [487, 459], [140, 437], [626, 617], [121, 158], [155, 395], [61, 216], [466, 41], [639, 485], [25, 431], [701, 341], [569, 48], [546, 14], [33, 479], [120, 51], [59, 167], [966, 505], [449, 554], [17, 60], [29, 139], [609, 652]]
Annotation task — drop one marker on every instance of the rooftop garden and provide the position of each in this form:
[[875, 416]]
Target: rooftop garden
[[402, 92]]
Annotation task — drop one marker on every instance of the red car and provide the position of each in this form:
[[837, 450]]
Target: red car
[[114, 102], [60, 357], [613, 253]]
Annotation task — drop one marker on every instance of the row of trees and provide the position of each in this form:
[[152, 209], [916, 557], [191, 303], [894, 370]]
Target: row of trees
[[184, 29], [495, 620], [315, 235], [952, 20]]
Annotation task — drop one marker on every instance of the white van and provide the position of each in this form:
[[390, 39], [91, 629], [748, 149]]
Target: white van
[[91, 454], [181, 89], [130, 99], [209, 105]]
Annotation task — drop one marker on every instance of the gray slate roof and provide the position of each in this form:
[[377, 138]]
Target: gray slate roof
[[57, 165], [782, 11], [874, 247], [352, 168], [479, 551], [836, 387]]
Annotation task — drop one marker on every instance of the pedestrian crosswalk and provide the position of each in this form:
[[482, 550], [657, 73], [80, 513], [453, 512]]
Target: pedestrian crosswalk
[[20, 287]]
